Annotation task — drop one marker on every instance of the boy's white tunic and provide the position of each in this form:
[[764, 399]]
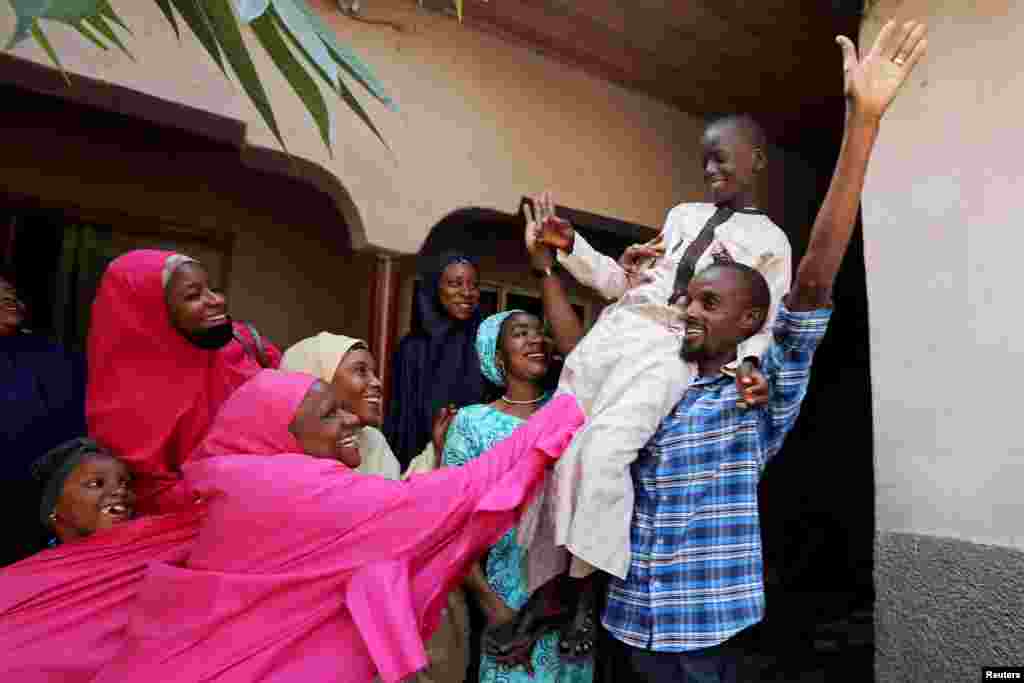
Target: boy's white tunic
[[627, 375]]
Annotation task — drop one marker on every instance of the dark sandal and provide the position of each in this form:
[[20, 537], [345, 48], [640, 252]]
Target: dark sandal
[[577, 640], [577, 636]]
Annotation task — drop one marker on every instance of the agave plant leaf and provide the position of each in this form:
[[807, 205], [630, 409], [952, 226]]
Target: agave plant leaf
[[165, 7], [295, 73], [223, 20], [285, 29], [342, 91], [355, 106], [195, 16], [344, 57], [108, 12], [303, 32], [70, 10], [87, 33], [40, 38], [250, 10], [101, 25], [26, 12]]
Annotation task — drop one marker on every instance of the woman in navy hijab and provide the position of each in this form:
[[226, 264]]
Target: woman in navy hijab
[[436, 364], [42, 401]]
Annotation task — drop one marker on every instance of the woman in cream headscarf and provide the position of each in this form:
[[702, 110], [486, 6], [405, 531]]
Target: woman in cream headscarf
[[348, 366]]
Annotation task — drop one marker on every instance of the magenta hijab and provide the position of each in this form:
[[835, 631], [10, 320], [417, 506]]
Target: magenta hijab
[[256, 418], [64, 612], [304, 570], [151, 395]]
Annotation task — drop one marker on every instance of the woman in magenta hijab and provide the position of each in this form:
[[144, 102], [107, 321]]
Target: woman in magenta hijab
[[306, 571], [163, 355]]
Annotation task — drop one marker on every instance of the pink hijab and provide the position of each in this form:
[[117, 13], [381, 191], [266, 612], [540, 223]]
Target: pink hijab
[[306, 571], [64, 611], [256, 418], [151, 394]]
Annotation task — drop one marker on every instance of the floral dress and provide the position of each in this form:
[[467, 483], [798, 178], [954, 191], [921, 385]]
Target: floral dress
[[475, 429]]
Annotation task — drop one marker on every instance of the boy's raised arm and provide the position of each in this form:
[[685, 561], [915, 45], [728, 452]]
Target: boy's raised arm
[[870, 85]]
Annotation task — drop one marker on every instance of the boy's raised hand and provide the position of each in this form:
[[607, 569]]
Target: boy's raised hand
[[636, 259], [871, 82]]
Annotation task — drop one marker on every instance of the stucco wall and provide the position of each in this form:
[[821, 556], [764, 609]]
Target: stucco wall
[[291, 272], [940, 226], [482, 122], [941, 230]]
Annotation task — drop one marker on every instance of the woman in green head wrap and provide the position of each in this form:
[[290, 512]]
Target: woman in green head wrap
[[514, 358]]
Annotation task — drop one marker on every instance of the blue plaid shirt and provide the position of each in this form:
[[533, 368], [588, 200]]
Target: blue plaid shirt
[[695, 578]]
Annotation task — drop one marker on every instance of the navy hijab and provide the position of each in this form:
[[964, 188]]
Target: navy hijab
[[42, 400], [42, 404], [435, 365]]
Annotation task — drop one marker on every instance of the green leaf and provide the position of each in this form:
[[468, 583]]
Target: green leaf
[[103, 27], [332, 84], [355, 106], [305, 34], [195, 16], [81, 27], [107, 11], [342, 91], [70, 11], [344, 57], [250, 10], [165, 7], [222, 17], [40, 38], [26, 13], [302, 83]]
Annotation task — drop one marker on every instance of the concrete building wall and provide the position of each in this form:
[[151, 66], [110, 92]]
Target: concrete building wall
[[940, 230], [291, 273], [482, 122]]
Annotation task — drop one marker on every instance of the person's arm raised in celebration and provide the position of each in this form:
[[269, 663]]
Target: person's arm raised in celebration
[[565, 324], [870, 85], [590, 267]]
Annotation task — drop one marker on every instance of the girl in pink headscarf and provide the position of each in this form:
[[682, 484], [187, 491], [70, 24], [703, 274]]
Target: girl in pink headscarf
[[64, 611], [306, 571], [163, 356]]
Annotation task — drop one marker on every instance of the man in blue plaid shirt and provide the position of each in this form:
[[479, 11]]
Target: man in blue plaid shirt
[[696, 574]]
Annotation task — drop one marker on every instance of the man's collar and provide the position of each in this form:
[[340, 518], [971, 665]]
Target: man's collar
[[727, 370]]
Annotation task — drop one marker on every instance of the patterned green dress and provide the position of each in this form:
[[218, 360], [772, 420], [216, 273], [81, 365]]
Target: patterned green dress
[[475, 429]]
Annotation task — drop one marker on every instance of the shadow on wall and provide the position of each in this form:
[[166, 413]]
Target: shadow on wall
[[817, 497]]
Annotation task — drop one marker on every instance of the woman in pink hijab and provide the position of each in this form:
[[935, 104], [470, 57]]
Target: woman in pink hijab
[[306, 571], [163, 355]]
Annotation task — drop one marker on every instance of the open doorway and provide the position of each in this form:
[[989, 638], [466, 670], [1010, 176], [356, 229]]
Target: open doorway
[[58, 256]]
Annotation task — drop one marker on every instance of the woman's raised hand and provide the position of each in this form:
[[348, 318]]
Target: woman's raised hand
[[541, 256], [871, 82], [555, 232]]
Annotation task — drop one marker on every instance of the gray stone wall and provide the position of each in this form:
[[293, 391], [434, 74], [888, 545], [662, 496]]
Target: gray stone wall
[[945, 608]]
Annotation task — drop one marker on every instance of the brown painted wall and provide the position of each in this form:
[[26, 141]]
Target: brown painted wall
[[482, 122], [292, 271]]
